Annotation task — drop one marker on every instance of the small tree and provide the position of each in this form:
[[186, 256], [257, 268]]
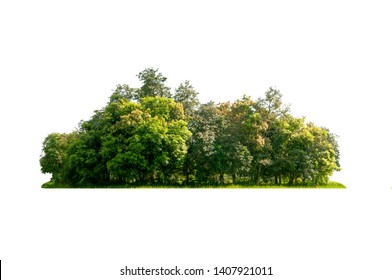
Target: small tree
[[55, 155]]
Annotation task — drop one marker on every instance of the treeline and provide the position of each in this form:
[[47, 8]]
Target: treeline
[[148, 135]]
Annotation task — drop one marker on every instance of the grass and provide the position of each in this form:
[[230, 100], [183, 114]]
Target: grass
[[330, 185]]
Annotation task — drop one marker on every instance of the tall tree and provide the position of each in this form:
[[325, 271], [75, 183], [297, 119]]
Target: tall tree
[[188, 97], [153, 84], [200, 162], [148, 143]]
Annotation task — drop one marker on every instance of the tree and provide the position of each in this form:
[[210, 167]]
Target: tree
[[323, 153], [54, 155], [142, 136], [148, 143], [187, 96], [124, 91], [85, 164], [236, 135], [268, 152], [271, 106], [153, 84], [203, 126]]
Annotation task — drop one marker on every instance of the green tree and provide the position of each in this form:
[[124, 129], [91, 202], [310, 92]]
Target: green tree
[[268, 148], [237, 136], [199, 163], [323, 154], [143, 136], [153, 84], [148, 143], [124, 91], [188, 97], [54, 155]]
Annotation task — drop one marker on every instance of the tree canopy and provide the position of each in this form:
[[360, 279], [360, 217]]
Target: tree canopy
[[148, 135]]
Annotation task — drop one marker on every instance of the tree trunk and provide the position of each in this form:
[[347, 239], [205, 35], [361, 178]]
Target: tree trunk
[[291, 180], [221, 178], [187, 171], [187, 178]]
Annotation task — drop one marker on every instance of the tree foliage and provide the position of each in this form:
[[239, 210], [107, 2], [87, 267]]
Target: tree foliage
[[143, 136]]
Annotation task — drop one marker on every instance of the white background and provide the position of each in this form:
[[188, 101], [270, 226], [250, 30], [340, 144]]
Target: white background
[[59, 61]]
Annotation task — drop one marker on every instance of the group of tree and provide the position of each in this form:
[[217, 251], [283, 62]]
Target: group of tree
[[149, 135]]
